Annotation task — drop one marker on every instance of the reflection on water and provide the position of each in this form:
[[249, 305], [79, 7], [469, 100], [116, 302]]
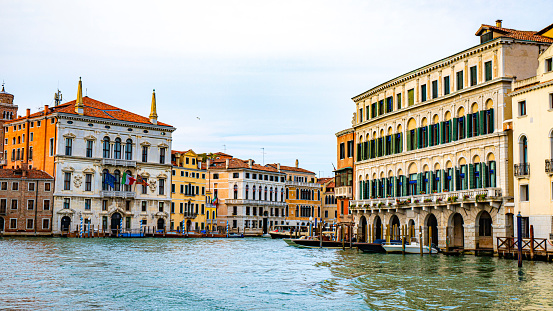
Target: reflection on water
[[255, 274]]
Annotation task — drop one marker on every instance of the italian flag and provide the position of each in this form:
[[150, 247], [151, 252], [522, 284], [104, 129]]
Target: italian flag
[[127, 179]]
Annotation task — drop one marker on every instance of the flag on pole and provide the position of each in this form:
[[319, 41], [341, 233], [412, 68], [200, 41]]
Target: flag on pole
[[110, 180], [214, 201], [140, 181], [127, 179]]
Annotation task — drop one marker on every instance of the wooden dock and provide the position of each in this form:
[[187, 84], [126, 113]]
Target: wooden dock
[[532, 248]]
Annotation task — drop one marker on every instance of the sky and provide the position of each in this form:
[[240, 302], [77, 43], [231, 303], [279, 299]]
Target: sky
[[265, 80]]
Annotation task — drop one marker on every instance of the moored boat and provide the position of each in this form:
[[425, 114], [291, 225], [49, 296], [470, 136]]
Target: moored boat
[[374, 247], [411, 248]]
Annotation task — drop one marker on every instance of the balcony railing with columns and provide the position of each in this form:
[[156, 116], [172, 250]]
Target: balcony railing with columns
[[118, 194], [522, 170], [344, 191], [119, 162], [442, 198], [253, 202]]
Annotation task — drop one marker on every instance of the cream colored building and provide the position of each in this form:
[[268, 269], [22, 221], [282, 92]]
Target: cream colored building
[[430, 146], [532, 124]]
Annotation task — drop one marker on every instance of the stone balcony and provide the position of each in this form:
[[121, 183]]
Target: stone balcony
[[254, 202], [522, 170], [549, 167], [344, 192], [432, 199], [118, 162], [303, 184], [118, 194]]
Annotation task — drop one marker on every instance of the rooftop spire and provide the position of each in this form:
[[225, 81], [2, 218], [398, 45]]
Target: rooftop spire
[[153, 112], [79, 108], [3, 90]]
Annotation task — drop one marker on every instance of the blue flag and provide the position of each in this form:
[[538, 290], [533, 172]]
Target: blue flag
[[110, 180]]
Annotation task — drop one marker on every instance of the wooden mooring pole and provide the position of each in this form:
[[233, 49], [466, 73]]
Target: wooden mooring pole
[[519, 239], [420, 239], [531, 242]]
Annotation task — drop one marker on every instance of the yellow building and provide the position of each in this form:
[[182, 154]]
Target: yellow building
[[303, 195], [532, 115], [188, 192]]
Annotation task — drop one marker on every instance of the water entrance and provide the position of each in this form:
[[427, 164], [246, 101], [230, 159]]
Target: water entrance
[[363, 233], [432, 222], [65, 223], [458, 231], [377, 228], [485, 231], [115, 223]]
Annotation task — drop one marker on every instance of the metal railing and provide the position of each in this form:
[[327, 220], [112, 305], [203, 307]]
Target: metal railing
[[522, 169], [118, 194], [254, 202], [119, 162], [451, 197], [549, 166], [190, 215]]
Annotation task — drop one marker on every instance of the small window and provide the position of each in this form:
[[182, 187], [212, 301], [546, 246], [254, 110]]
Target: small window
[[398, 101], [30, 223], [460, 82], [488, 70], [434, 89], [549, 65], [45, 223], [215, 176], [524, 193], [550, 100], [247, 175], [235, 175], [87, 204], [423, 93], [13, 223], [522, 108], [46, 205], [411, 97], [4, 185], [30, 205], [473, 75], [31, 186], [47, 186], [15, 186]]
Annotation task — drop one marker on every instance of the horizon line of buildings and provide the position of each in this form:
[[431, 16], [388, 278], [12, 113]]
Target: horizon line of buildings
[[86, 165]]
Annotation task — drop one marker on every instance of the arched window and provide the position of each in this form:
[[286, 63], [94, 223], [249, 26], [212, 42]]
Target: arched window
[[106, 148], [265, 193], [253, 193], [260, 190], [281, 195], [287, 194], [247, 192], [105, 186], [128, 150], [271, 194], [117, 175], [235, 192], [523, 150], [117, 149]]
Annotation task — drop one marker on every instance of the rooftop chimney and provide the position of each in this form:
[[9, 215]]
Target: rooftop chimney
[[498, 23], [250, 163], [28, 112], [226, 163], [297, 163], [278, 167], [45, 109]]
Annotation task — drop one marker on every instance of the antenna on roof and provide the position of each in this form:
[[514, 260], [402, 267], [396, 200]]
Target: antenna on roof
[[86, 92], [57, 98], [225, 148], [263, 152]]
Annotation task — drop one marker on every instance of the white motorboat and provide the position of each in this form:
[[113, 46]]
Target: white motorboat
[[411, 248]]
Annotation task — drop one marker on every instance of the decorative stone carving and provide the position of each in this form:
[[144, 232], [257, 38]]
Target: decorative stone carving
[[152, 186], [77, 181]]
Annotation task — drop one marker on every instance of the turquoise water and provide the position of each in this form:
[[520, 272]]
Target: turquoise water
[[255, 274]]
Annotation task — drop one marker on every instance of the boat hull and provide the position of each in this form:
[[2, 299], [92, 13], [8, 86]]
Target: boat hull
[[317, 243], [370, 247], [409, 249]]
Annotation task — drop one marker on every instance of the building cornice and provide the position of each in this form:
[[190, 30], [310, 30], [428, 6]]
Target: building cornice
[[68, 116], [531, 88], [442, 63], [346, 131]]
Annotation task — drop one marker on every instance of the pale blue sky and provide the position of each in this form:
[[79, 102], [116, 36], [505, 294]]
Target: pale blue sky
[[277, 75]]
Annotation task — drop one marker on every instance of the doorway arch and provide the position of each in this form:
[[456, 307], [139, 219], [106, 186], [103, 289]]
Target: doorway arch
[[377, 228], [485, 231], [394, 227], [65, 223], [363, 227], [188, 224], [116, 223], [411, 229], [1, 224], [457, 237], [432, 222], [160, 224]]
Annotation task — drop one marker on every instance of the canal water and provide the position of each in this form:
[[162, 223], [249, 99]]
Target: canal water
[[255, 274]]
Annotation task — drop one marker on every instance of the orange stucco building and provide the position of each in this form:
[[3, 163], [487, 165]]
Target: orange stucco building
[[344, 173]]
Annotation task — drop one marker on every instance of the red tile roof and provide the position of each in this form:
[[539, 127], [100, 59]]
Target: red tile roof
[[96, 109], [235, 163], [324, 180], [291, 169], [18, 173], [515, 34]]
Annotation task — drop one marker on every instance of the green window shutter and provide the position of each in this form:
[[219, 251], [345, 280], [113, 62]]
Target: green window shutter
[[464, 185], [484, 173], [394, 190], [361, 192], [428, 127], [384, 148], [441, 129], [481, 175], [454, 129], [456, 180], [471, 176], [359, 152], [430, 183], [370, 185], [400, 142], [393, 143], [366, 150], [385, 192], [481, 120], [490, 122], [408, 140], [469, 126], [440, 177], [493, 173], [419, 140], [419, 183], [403, 186], [377, 147]]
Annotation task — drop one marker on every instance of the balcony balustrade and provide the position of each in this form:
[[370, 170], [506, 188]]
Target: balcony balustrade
[[522, 170], [549, 167], [253, 202], [442, 198], [190, 215], [344, 191], [119, 162], [118, 194]]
